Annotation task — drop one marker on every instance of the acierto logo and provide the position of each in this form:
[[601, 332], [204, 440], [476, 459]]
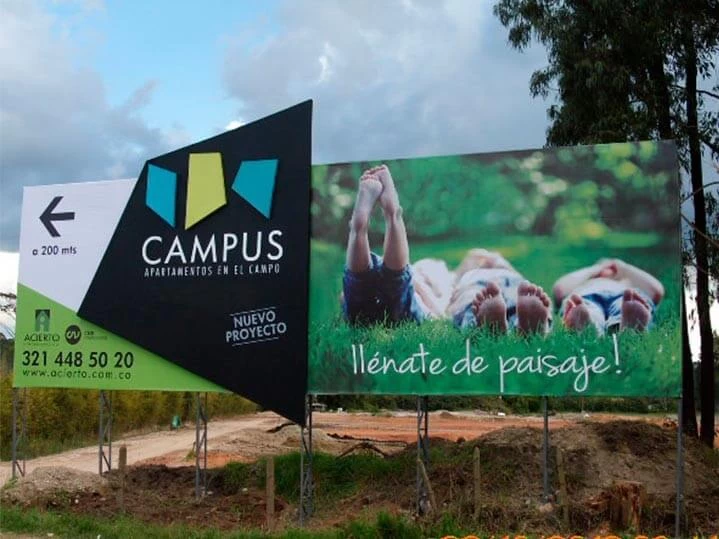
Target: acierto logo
[[42, 320], [254, 182]]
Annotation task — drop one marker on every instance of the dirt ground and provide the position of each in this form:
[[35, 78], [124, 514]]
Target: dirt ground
[[246, 438], [598, 450]]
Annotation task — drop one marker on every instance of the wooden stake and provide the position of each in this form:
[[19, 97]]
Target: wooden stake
[[270, 492], [477, 481], [626, 503], [563, 489], [425, 478], [123, 471]]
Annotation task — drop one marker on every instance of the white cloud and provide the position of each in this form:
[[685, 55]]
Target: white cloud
[[391, 78], [56, 124], [234, 124], [8, 271]]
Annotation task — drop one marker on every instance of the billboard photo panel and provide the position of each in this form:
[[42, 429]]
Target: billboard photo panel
[[178, 280], [544, 272]]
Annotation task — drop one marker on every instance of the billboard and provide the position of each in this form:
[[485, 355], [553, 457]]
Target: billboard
[[191, 278], [544, 272]]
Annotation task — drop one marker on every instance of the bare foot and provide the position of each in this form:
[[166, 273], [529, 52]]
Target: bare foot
[[369, 191], [489, 309], [576, 313], [635, 311], [389, 199], [532, 309]]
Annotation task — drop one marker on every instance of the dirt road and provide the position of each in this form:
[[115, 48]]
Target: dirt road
[[246, 438], [147, 446]]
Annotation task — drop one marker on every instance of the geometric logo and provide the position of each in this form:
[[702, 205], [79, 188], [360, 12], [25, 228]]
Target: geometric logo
[[73, 334], [42, 320], [254, 182]]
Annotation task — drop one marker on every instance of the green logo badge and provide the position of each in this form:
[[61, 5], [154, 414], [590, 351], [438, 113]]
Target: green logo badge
[[42, 320]]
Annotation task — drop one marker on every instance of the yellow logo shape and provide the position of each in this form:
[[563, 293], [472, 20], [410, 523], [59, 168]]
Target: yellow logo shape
[[205, 187]]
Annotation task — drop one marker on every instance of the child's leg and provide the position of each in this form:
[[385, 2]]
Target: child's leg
[[358, 249], [396, 247], [397, 293], [360, 293], [433, 283], [490, 308], [533, 309], [632, 310], [578, 312]]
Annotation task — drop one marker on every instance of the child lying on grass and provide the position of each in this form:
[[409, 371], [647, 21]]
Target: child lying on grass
[[611, 295], [484, 291]]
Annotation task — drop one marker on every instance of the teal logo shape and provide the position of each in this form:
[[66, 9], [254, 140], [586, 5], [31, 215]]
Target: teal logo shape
[[254, 182]]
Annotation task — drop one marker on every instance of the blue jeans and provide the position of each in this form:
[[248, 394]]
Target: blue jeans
[[380, 294], [508, 283], [604, 299]]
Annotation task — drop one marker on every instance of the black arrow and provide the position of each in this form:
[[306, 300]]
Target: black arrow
[[48, 217]]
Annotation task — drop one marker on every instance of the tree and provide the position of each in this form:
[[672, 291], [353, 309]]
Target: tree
[[630, 71]]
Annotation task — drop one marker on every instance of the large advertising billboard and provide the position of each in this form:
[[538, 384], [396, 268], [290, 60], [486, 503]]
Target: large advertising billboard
[[194, 277], [546, 272]]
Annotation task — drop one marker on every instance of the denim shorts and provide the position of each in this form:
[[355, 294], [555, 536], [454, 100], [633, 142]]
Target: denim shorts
[[507, 281], [604, 298], [380, 295]]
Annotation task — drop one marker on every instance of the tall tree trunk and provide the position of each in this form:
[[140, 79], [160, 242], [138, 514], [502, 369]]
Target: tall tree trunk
[[706, 385], [688, 410], [664, 126], [661, 97]]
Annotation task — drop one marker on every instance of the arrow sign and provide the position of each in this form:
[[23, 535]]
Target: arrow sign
[[48, 217]]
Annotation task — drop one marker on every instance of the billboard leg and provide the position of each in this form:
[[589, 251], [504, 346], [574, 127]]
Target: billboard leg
[[306, 477], [680, 472], [201, 446], [19, 436], [545, 451], [422, 454], [104, 433]]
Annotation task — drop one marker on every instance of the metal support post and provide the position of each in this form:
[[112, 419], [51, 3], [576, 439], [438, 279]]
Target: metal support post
[[19, 437], [422, 453], [104, 433], [200, 446], [680, 471], [306, 477], [545, 451]]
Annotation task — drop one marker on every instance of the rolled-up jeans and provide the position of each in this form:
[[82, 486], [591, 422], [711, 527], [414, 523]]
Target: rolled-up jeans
[[380, 295]]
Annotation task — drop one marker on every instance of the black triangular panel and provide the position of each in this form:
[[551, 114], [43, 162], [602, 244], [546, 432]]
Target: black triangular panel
[[185, 318]]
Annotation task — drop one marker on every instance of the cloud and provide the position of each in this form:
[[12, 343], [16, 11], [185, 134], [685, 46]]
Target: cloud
[[8, 272], [391, 78], [234, 124], [56, 123]]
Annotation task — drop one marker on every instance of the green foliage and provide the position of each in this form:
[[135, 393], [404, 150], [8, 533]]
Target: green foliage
[[334, 476], [637, 72], [386, 525], [58, 419], [618, 73], [543, 260], [383, 526], [7, 351], [574, 193], [32, 521]]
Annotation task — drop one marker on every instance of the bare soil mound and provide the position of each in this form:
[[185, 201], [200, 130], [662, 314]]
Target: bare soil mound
[[54, 486], [596, 454]]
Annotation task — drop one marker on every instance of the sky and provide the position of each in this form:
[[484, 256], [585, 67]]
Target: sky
[[90, 89]]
